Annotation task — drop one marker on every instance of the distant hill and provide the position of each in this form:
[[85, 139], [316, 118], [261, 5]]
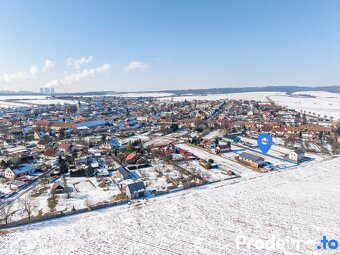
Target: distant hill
[[287, 89]]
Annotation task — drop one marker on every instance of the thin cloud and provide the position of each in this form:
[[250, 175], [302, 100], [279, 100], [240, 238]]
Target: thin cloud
[[49, 64], [20, 76], [27, 75], [52, 84], [78, 76], [77, 62], [136, 66]]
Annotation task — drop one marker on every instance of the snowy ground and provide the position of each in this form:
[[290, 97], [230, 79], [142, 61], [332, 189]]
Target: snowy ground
[[223, 163], [7, 104], [211, 175], [279, 151], [144, 94], [159, 176], [85, 192], [261, 96], [49, 101], [30, 103], [301, 203], [215, 134], [134, 138], [162, 140], [21, 97], [324, 103]]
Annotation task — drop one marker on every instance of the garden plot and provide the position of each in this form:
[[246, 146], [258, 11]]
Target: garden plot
[[86, 192], [135, 138], [280, 151], [83, 186], [215, 134], [223, 163], [276, 150], [5, 188], [211, 175], [159, 141], [93, 189], [277, 162], [312, 147], [161, 176]]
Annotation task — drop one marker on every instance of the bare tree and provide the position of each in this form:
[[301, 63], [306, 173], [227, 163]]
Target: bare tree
[[6, 211], [29, 205], [66, 188]]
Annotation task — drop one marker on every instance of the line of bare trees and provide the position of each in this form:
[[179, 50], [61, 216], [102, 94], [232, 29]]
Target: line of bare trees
[[28, 205]]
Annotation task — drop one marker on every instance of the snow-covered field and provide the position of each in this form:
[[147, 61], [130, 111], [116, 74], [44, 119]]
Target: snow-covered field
[[49, 101], [261, 96], [324, 103], [144, 94], [6, 104], [301, 203], [29, 100], [22, 97]]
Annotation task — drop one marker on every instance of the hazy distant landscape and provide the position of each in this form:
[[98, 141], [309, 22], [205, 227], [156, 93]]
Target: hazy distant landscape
[[323, 102], [287, 89]]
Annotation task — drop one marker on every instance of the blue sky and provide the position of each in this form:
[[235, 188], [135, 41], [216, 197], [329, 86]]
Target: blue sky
[[155, 45]]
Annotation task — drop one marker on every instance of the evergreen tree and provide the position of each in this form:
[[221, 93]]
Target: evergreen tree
[[130, 148], [89, 172]]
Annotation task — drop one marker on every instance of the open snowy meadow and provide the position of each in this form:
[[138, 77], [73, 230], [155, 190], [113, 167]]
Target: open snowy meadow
[[299, 203], [321, 103]]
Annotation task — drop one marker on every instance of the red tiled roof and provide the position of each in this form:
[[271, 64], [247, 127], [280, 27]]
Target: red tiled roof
[[51, 152], [130, 156]]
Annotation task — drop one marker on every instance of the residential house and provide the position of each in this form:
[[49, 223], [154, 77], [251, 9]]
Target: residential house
[[296, 155], [65, 146], [21, 170], [232, 138], [208, 143], [250, 160], [169, 149], [39, 135], [135, 190], [125, 173], [222, 148], [205, 164], [186, 154], [111, 144], [131, 158], [52, 153], [59, 187], [62, 125], [41, 145]]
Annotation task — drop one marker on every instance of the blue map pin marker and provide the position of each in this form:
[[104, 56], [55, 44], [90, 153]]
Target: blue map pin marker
[[265, 147]]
